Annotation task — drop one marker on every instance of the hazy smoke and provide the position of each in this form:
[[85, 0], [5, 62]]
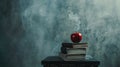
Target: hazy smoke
[[38, 27]]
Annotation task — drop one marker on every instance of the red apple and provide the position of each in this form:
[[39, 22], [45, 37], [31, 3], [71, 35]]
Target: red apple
[[76, 37]]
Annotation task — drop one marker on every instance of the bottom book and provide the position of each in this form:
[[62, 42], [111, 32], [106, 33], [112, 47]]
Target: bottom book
[[72, 57]]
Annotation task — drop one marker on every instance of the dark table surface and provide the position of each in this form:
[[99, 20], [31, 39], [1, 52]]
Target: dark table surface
[[58, 60]]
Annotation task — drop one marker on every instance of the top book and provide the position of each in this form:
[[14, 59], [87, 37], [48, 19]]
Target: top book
[[75, 45]]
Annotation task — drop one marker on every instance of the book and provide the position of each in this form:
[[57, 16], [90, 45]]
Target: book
[[68, 57], [74, 45], [65, 50]]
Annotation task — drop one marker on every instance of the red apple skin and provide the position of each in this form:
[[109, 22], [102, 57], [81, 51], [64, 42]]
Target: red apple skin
[[76, 37]]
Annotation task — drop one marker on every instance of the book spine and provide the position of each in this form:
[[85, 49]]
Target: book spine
[[63, 50], [75, 54], [70, 45], [73, 43]]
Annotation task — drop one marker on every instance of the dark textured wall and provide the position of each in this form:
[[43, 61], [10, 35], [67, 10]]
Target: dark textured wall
[[31, 30]]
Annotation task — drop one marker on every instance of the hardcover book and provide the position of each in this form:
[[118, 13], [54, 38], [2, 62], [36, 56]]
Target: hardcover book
[[74, 45], [73, 50], [68, 57]]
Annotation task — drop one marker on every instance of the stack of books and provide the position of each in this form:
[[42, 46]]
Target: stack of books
[[73, 51]]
